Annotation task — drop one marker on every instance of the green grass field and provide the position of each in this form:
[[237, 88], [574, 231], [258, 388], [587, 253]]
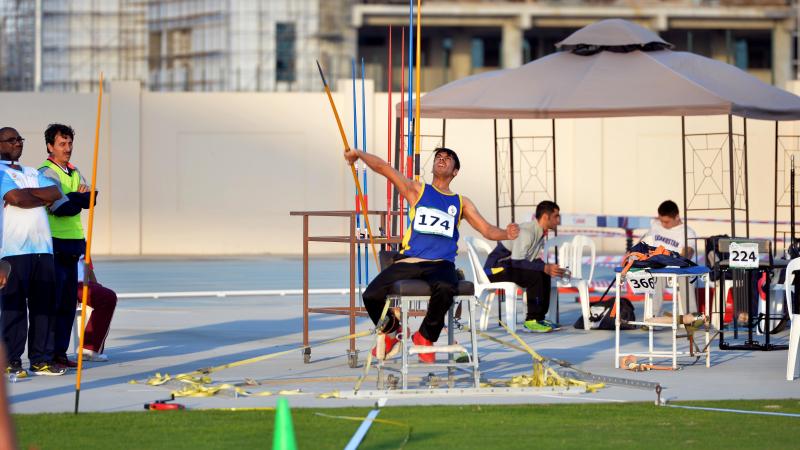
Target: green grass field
[[613, 426]]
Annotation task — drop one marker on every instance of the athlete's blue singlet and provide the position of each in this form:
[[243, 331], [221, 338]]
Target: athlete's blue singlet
[[434, 226]]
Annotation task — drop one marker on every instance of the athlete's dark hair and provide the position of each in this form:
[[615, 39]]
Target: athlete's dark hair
[[545, 207], [668, 209], [449, 152]]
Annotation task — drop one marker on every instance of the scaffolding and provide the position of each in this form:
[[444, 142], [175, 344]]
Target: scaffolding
[[173, 45], [244, 45]]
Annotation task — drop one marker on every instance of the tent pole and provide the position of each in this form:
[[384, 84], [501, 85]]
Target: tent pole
[[746, 184], [444, 132], [555, 172], [496, 180], [731, 166], [511, 170], [685, 204], [775, 210]]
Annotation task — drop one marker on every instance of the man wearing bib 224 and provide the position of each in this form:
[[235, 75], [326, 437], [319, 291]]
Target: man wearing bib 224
[[429, 246]]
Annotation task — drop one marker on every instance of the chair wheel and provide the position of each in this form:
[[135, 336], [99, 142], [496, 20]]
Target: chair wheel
[[306, 355], [392, 381], [352, 359]]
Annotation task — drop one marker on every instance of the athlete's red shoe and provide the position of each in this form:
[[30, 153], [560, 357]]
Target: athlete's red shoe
[[392, 346], [427, 358]]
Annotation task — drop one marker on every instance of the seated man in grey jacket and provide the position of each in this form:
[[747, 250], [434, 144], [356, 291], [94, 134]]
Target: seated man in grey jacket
[[519, 261]]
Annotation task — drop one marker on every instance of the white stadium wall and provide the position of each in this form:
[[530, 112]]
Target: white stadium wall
[[218, 173]]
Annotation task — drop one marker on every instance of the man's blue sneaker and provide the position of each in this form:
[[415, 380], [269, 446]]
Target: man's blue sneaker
[[537, 326], [552, 325]]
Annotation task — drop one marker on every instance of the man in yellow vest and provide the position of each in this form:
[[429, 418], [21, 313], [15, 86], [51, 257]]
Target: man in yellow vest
[[69, 243]]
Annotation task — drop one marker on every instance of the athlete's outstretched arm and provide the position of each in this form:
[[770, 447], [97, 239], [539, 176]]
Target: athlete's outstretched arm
[[486, 229], [407, 188]]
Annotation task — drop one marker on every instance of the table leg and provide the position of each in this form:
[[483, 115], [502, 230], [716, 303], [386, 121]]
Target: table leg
[[675, 299], [306, 351], [707, 304], [617, 323], [352, 283]]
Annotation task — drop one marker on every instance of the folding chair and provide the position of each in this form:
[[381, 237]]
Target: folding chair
[[413, 294]]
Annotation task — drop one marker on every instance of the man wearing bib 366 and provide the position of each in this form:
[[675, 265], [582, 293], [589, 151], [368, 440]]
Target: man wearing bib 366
[[667, 231], [429, 247]]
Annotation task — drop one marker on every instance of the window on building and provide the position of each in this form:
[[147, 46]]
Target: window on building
[[759, 52], [485, 52], [179, 45], [285, 56], [154, 52]]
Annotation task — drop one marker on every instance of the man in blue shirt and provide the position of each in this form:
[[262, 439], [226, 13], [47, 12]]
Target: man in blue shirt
[[29, 294]]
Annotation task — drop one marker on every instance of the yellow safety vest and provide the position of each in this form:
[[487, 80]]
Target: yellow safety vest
[[65, 227]]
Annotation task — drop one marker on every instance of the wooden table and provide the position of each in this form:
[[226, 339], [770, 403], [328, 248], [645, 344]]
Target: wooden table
[[352, 240]]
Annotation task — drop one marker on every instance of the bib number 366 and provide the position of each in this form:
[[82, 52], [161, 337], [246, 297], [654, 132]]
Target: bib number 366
[[744, 255], [642, 283]]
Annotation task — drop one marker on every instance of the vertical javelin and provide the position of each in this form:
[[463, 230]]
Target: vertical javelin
[[417, 99], [410, 146], [402, 119], [364, 211], [357, 165], [88, 260], [389, 141]]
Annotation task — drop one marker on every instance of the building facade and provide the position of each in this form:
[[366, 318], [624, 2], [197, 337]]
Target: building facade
[[272, 45], [460, 38]]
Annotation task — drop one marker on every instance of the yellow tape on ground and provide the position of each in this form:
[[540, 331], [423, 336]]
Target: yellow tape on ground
[[379, 342], [197, 381], [541, 376]]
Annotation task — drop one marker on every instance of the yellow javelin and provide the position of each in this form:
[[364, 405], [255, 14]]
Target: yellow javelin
[[88, 245], [352, 168], [416, 100]]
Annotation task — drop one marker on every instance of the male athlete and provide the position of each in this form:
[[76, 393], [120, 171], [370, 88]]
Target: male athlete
[[429, 247]]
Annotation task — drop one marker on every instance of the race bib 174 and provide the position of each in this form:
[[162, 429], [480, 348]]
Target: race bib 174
[[434, 221]]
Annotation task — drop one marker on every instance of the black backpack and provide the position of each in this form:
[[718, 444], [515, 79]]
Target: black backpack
[[600, 315]]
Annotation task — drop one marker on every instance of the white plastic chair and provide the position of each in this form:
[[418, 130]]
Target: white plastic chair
[[570, 256], [485, 290], [794, 334], [579, 243]]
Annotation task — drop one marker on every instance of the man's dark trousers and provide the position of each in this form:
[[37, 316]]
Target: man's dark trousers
[[536, 285], [30, 287]]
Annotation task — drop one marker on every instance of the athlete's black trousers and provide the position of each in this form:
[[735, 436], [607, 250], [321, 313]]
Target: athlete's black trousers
[[442, 277]]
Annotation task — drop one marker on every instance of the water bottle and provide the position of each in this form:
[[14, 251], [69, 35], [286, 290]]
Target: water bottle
[[566, 276]]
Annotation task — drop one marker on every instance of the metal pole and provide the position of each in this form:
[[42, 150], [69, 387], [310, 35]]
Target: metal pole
[[685, 204], [775, 206], [496, 179], [555, 172], [791, 204], [731, 175], [444, 132], [746, 184], [511, 163], [37, 47]]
